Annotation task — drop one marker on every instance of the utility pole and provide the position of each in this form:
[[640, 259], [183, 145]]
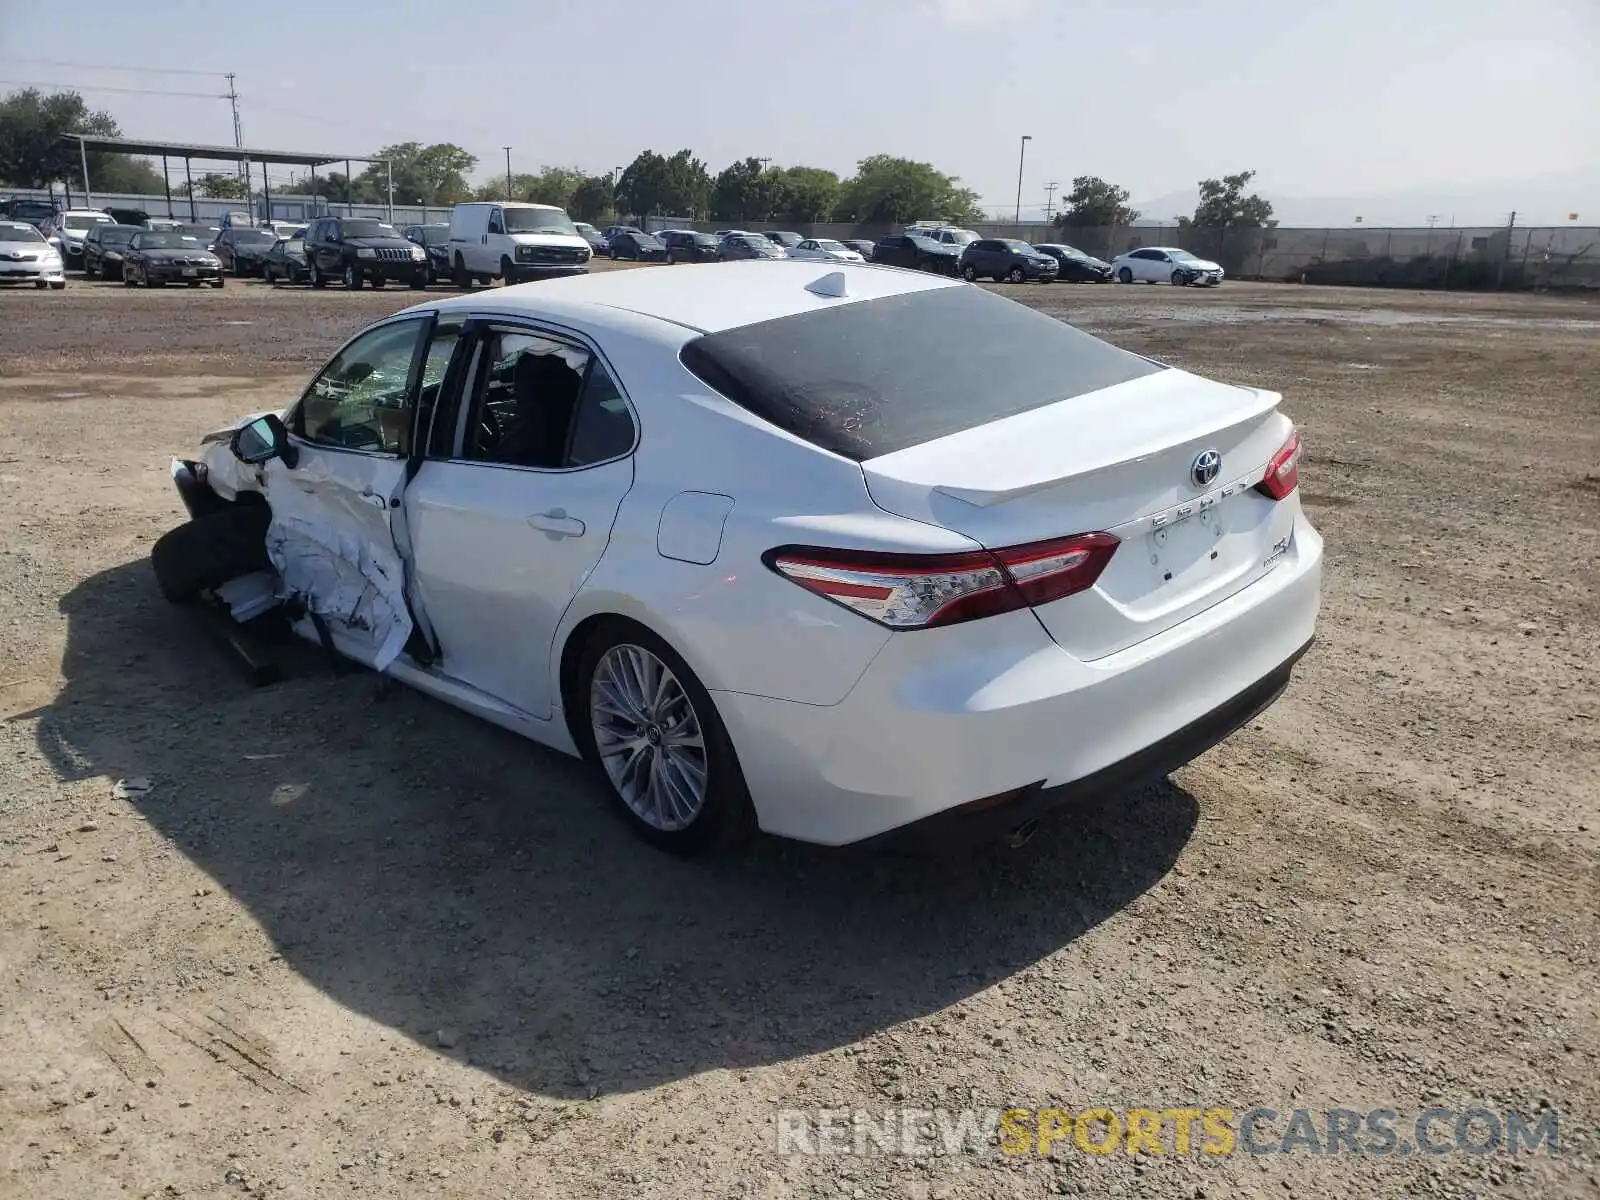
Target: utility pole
[[1049, 200], [1021, 154], [508, 172], [238, 143], [1500, 268]]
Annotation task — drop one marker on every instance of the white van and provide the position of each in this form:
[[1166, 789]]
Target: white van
[[513, 242]]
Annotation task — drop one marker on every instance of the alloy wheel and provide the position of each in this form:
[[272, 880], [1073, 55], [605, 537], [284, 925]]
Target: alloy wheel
[[648, 737]]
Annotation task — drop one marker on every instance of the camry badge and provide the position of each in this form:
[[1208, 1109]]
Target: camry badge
[[1207, 465]]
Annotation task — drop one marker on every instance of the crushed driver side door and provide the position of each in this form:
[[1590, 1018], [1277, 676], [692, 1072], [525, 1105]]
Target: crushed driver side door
[[337, 533]]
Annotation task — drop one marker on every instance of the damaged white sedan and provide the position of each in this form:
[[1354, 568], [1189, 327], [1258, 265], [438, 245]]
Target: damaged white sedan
[[842, 554]]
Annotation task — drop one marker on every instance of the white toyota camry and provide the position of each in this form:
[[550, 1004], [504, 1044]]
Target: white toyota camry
[[841, 552]]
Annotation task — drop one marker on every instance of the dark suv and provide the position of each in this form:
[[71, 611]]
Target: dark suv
[[684, 245], [1006, 259], [920, 253], [356, 250]]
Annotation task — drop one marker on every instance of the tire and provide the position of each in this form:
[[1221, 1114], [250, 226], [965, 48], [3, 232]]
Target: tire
[[88, 271], [1179, 279], [459, 276], [352, 278], [218, 282], [1016, 275], [207, 551], [507, 271], [39, 285], [969, 273], [378, 281], [317, 281], [127, 279], [724, 813], [1124, 276], [57, 285], [194, 283], [420, 280]]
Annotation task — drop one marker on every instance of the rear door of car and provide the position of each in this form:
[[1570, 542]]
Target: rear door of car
[[527, 463]]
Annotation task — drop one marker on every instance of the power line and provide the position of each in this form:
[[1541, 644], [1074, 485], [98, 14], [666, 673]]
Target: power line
[[84, 87], [46, 62]]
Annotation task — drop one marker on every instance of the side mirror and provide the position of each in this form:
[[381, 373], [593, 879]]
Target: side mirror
[[263, 440]]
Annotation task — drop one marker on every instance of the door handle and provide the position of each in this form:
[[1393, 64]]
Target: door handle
[[557, 524]]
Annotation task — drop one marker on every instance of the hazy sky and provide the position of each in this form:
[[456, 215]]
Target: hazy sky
[[1327, 98]]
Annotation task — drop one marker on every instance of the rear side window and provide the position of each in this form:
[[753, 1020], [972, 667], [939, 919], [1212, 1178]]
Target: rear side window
[[877, 376]]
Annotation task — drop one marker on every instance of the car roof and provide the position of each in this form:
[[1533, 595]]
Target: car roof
[[705, 299]]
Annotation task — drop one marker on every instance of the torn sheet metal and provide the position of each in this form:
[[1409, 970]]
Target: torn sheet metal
[[342, 566], [248, 596]]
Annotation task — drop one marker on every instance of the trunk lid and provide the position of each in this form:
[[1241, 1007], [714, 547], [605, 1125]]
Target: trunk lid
[[1119, 460]]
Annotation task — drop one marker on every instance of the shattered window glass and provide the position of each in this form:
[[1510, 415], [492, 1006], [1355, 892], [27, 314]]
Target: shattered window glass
[[359, 401]]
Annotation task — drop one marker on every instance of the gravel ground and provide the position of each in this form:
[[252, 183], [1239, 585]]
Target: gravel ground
[[351, 941]]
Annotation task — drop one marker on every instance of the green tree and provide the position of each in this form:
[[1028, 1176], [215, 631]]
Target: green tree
[[678, 186], [1223, 204], [433, 175], [889, 190], [36, 151], [592, 199], [739, 193], [214, 185], [1094, 203], [808, 194]]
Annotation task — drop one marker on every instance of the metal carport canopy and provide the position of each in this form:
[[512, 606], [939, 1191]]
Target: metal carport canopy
[[242, 155], [233, 154]]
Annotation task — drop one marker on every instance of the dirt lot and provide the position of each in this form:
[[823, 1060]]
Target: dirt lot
[[1383, 893]]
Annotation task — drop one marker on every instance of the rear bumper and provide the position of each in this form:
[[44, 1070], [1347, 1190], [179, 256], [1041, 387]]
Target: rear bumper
[[996, 817], [995, 711]]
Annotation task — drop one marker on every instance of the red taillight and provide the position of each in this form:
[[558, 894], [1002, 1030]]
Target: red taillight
[[919, 591], [1283, 472]]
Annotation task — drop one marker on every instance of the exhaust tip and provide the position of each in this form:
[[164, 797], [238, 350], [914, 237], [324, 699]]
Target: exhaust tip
[[1022, 834]]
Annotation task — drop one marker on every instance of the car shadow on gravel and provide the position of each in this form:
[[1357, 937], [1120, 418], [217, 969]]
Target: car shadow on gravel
[[429, 871]]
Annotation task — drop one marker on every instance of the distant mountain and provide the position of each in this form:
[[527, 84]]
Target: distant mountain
[[1539, 200]]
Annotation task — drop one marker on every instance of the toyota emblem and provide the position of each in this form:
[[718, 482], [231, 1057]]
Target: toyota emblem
[[1207, 465]]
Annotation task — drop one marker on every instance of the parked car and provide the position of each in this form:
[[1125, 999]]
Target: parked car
[[25, 256], [917, 252], [127, 216], [611, 231], [155, 259], [1008, 259], [1165, 264], [103, 249], [748, 245], [638, 247], [162, 224], [685, 245], [206, 235], [861, 246], [1073, 265], [38, 213], [513, 242], [435, 242], [947, 235], [783, 237], [66, 232], [865, 606], [591, 235], [286, 262], [361, 250], [243, 250], [824, 250]]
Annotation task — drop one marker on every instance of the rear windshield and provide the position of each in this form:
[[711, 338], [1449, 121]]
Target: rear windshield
[[877, 376]]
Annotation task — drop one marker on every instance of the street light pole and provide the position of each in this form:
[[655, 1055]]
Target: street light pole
[[1022, 153], [508, 172]]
